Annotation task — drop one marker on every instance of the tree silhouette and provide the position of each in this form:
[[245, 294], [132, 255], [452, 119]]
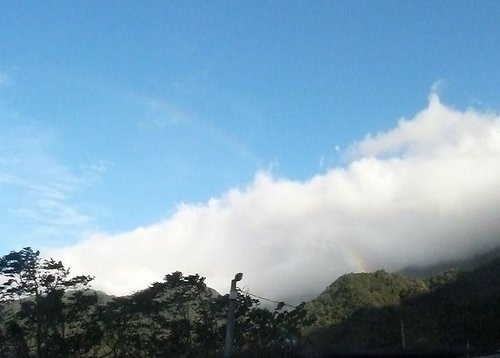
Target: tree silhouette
[[45, 312], [40, 286]]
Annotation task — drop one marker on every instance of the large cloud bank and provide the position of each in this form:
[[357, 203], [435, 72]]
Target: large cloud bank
[[425, 191]]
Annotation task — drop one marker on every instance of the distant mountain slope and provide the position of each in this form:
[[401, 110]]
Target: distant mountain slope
[[352, 292], [364, 312], [466, 264], [11, 307]]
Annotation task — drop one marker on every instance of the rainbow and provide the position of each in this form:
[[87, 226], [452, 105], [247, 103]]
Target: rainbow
[[352, 256]]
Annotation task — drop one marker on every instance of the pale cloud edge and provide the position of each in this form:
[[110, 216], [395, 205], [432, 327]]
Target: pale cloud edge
[[37, 191], [162, 115], [4, 79], [422, 192]]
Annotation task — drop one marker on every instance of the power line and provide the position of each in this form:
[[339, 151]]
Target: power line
[[268, 299]]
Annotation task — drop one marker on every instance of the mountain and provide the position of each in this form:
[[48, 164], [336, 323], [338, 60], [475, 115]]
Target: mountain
[[465, 264], [365, 313], [353, 292], [447, 312]]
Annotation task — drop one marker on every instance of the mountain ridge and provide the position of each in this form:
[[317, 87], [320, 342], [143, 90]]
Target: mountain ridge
[[453, 310]]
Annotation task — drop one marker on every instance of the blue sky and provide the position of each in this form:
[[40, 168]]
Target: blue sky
[[112, 114]]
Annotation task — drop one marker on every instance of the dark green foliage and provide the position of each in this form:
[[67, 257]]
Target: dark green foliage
[[353, 292], [443, 313], [179, 316], [40, 323], [46, 313], [264, 332]]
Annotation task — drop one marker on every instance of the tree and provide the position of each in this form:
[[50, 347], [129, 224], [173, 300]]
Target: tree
[[178, 316], [40, 285], [190, 316]]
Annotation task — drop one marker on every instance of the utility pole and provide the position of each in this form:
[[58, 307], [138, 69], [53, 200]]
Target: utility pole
[[233, 295], [403, 341]]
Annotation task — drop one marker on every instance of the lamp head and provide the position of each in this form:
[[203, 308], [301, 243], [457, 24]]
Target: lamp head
[[238, 276]]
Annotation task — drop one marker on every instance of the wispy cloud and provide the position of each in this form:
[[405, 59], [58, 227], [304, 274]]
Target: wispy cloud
[[54, 213], [163, 115], [425, 191], [38, 193], [159, 114], [4, 79]]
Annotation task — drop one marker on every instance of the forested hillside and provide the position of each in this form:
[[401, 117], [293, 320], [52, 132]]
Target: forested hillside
[[46, 312], [450, 312]]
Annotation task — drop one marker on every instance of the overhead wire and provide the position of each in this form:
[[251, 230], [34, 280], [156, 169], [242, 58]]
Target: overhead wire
[[247, 292]]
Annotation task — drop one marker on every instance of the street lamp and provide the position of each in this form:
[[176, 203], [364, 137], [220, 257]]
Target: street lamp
[[233, 295]]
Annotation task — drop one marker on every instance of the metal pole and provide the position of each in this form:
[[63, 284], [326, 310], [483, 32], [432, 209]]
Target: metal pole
[[403, 340], [228, 347], [233, 295]]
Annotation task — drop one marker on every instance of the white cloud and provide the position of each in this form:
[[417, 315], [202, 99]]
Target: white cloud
[[424, 191]]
